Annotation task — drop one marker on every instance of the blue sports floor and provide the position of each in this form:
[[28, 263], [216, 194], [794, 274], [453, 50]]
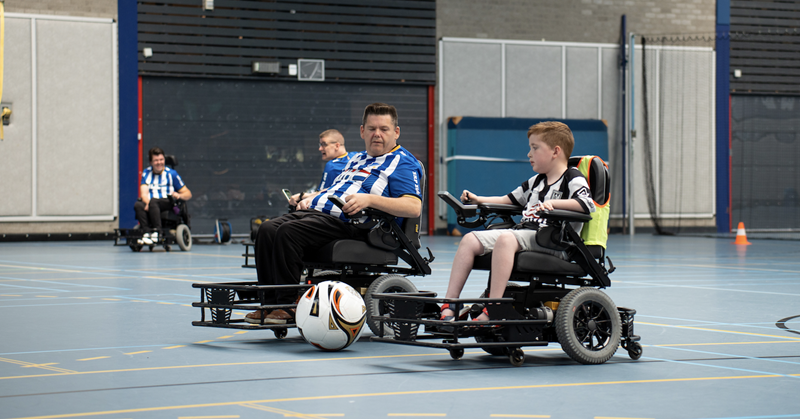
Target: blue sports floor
[[92, 330]]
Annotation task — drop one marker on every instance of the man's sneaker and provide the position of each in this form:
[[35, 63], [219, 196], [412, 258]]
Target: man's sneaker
[[146, 238], [255, 317], [154, 236], [279, 316]]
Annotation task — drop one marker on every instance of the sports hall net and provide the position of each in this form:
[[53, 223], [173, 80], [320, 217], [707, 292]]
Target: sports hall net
[[674, 150]]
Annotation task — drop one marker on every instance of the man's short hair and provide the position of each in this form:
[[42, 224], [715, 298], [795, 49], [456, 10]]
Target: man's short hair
[[380, 109], [155, 151], [554, 134], [334, 134]]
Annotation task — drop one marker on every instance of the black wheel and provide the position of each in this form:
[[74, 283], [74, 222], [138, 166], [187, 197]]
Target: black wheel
[[151, 247], [588, 326], [167, 248], [184, 237], [635, 350], [384, 284], [456, 353], [516, 357], [280, 332], [134, 243]]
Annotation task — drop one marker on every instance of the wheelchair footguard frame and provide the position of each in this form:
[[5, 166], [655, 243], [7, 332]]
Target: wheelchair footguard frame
[[409, 311]]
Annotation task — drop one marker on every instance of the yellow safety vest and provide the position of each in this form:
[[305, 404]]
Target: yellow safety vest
[[595, 232]]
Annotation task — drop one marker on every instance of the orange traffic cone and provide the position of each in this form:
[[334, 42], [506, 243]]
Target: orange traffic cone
[[741, 236]]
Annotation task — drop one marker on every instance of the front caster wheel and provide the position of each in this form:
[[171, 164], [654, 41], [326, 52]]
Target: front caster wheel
[[517, 357], [280, 333], [456, 353], [635, 350]]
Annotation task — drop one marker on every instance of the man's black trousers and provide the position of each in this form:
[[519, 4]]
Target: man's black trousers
[[282, 242], [151, 219]]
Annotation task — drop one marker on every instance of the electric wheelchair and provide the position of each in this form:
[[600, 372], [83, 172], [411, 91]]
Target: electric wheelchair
[[175, 226], [378, 265], [561, 301]]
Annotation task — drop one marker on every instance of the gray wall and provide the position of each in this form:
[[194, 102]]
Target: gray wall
[[535, 79], [83, 8], [60, 148], [570, 20]]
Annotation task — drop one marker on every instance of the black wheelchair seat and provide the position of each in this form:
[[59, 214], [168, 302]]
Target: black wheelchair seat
[[352, 251], [534, 262]]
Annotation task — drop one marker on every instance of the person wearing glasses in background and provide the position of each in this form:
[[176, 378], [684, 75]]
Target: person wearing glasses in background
[[331, 146]]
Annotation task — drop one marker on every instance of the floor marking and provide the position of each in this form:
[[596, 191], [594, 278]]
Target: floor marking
[[615, 417], [10, 295], [112, 299], [47, 296], [204, 341], [137, 353], [225, 337], [789, 338], [174, 347], [285, 413], [42, 366], [240, 332], [438, 415], [497, 415], [402, 393], [209, 417], [176, 279], [92, 359], [82, 298], [723, 343], [288, 361]]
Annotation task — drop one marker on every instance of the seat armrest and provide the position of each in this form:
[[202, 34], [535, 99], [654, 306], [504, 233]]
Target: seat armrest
[[565, 215], [462, 210], [502, 209]]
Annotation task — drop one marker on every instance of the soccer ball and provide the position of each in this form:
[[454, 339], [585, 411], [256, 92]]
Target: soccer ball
[[331, 315]]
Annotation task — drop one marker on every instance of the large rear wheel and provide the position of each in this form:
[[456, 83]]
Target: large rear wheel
[[384, 284], [184, 237], [588, 326]]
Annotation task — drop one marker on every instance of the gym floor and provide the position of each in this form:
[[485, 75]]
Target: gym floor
[[92, 330]]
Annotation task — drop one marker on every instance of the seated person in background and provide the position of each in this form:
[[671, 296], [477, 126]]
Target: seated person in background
[[555, 187], [159, 182], [331, 145], [384, 177]]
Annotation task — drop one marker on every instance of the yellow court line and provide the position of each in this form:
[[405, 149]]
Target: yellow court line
[[92, 359], [209, 417], [407, 393], [175, 347], [204, 341], [721, 330], [286, 361], [112, 299], [496, 415], [285, 413], [174, 279], [47, 296], [24, 364], [726, 343], [37, 268], [10, 295], [241, 332], [165, 303], [438, 415], [225, 337], [137, 353]]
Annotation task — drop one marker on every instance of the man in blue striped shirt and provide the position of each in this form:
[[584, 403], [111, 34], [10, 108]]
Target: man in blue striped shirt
[[158, 184], [385, 177]]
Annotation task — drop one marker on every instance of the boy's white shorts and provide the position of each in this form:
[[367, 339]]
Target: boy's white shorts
[[525, 238]]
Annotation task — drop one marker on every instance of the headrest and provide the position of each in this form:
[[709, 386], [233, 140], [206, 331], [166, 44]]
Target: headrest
[[171, 161]]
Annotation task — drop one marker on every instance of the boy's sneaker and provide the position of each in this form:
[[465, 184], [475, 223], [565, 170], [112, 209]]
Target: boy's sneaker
[[146, 239]]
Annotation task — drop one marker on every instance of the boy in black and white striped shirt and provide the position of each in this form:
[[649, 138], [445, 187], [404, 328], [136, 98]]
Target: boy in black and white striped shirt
[[555, 187]]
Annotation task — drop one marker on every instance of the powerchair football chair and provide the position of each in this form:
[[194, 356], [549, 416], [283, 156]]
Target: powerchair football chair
[[562, 301], [371, 267], [175, 226]]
